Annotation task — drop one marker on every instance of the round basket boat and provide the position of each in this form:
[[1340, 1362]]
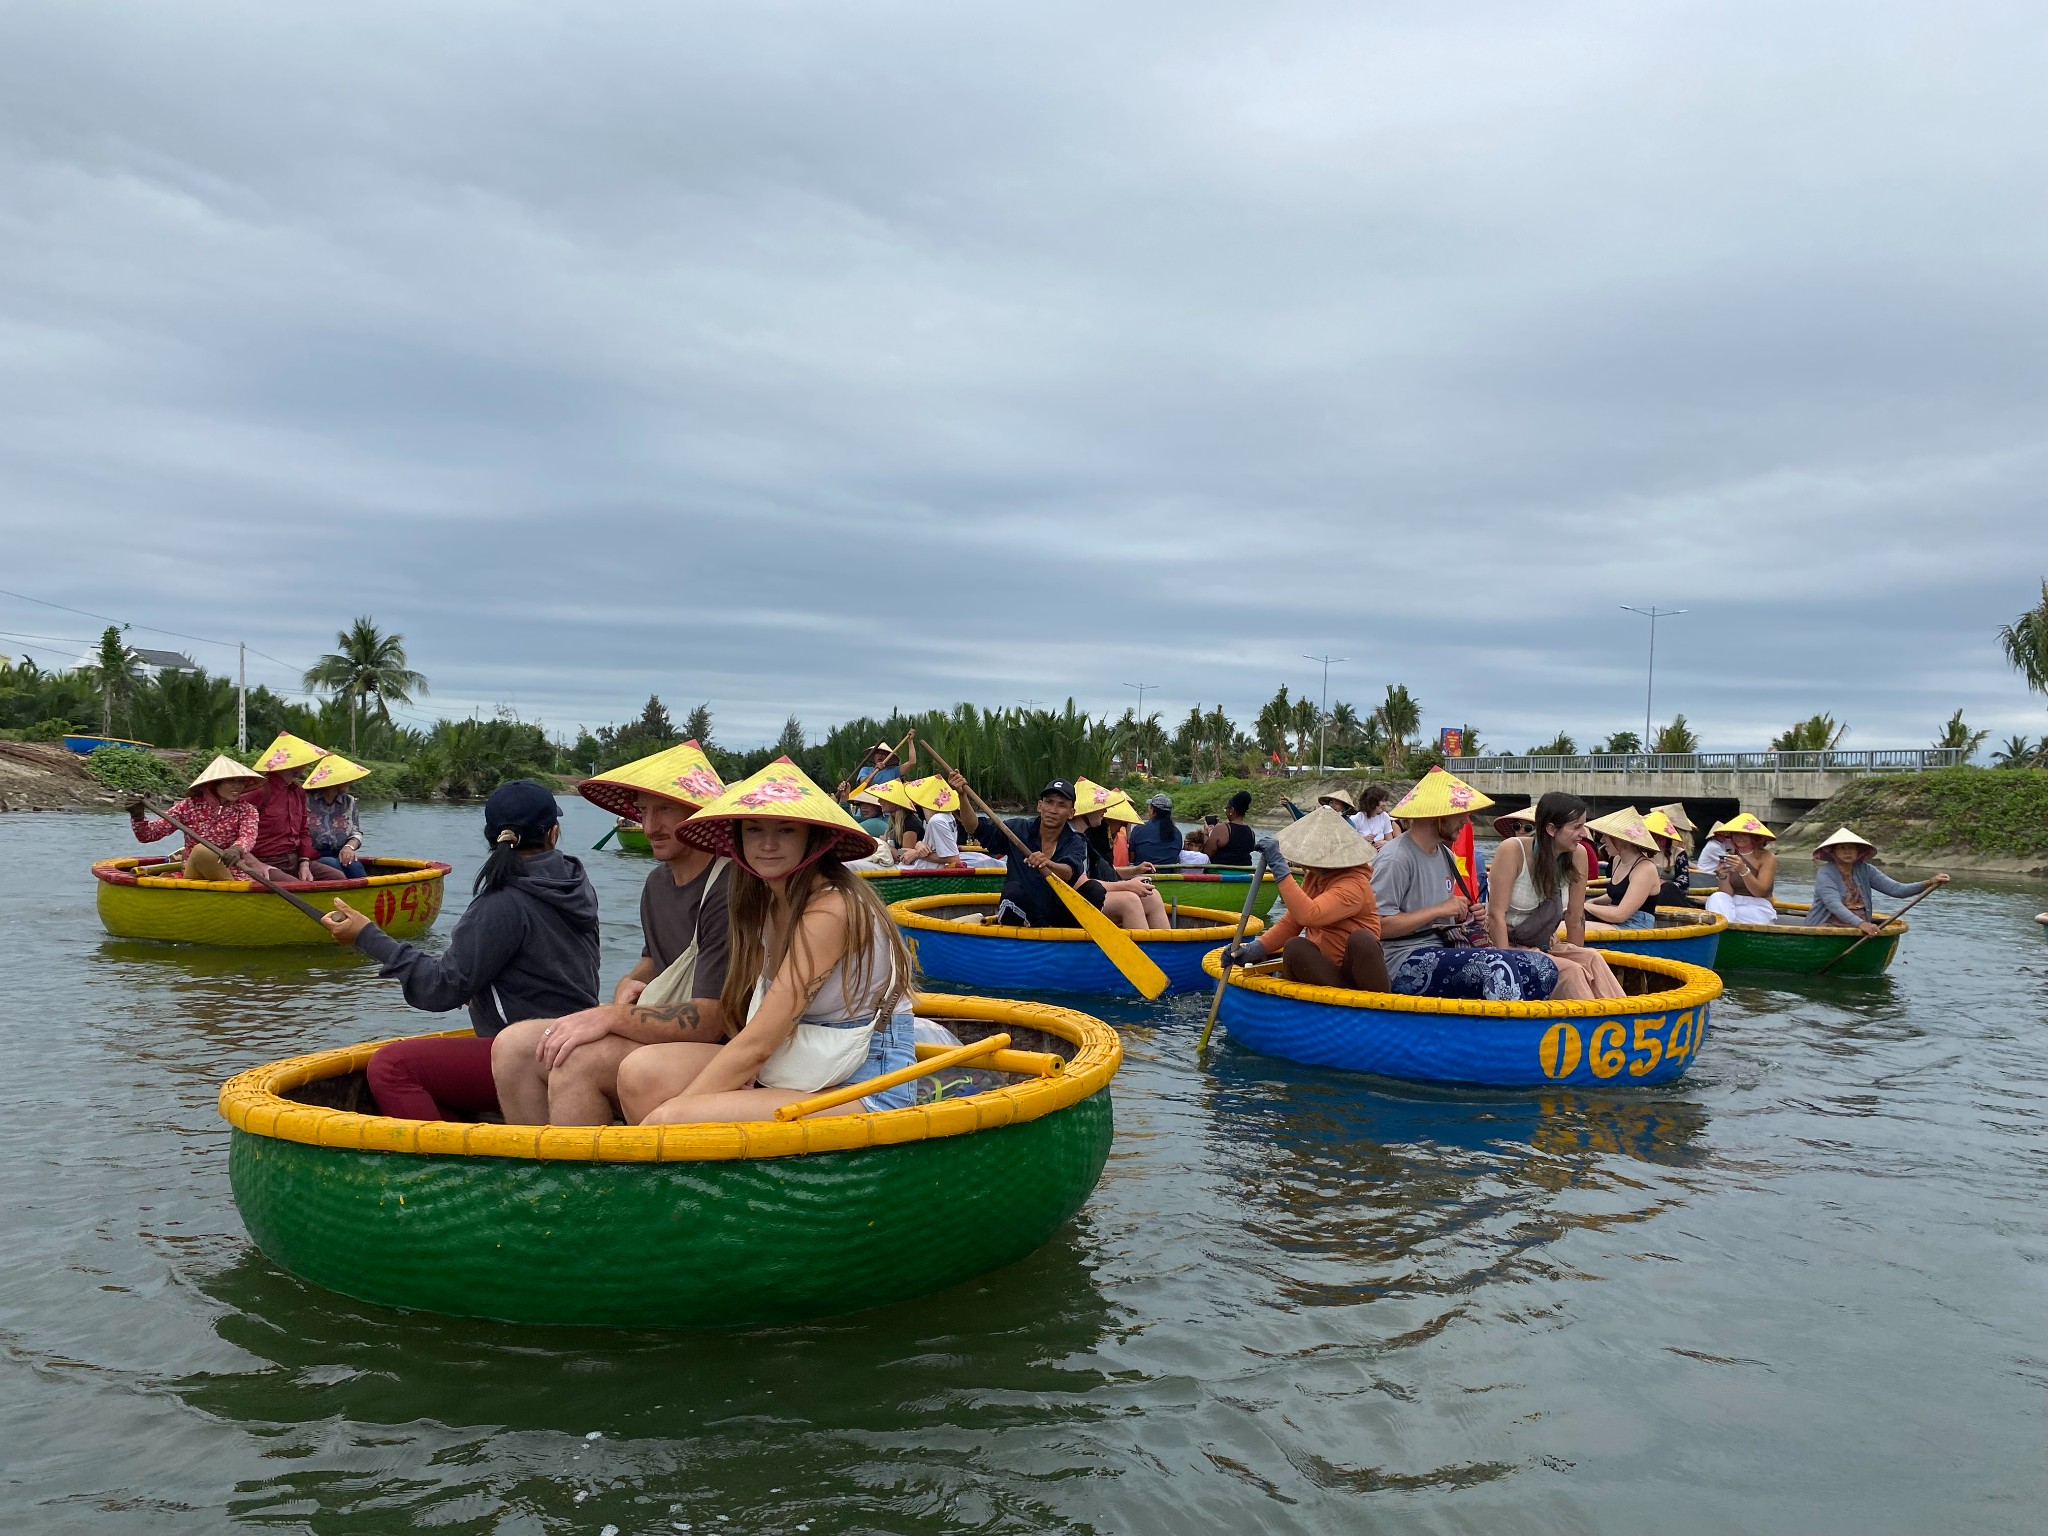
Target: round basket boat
[[1216, 888], [632, 840], [1680, 934], [681, 1226], [953, 943], [1648, 1037], [894, 885], [1800, 949], [402, 896]]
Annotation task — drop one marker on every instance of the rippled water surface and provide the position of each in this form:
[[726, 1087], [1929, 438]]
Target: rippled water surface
[[1800, 1291]]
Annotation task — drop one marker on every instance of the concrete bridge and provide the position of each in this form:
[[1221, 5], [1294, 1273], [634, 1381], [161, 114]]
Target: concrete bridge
[[1778, 786]]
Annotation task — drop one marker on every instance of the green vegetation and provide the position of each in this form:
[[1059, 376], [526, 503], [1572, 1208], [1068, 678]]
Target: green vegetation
[[1983, 810], [1675, 737], [1959, 737], [1816, 734], [136, 772], [367, 663]]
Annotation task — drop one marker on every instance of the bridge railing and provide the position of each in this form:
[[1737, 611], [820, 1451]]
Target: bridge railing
[[1873, 760]]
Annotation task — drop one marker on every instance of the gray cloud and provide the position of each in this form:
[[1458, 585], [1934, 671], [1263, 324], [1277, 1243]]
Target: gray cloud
[[805, 358]]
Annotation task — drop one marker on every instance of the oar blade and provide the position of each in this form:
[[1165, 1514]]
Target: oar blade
[[1138, 968]]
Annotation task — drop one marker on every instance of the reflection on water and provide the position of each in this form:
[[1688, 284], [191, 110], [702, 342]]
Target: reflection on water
[[1299, 1301]]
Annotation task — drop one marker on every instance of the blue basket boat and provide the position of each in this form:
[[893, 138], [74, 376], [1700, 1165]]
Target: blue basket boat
[[85, 746], [1644, 1039], [953, 943], [1680, 934]]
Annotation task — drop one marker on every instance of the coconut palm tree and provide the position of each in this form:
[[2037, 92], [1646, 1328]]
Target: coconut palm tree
[[1818, 733], [116, 675], [1560, 745], [1676, 737], [2019, 752], [2025, 641], [1960, 737], [366, 662], [1400, 716]]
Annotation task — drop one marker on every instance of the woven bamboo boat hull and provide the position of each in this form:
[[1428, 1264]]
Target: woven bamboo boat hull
[[1216, 888], [403, 897], [705, 1226], [1693, 937], [1620, 1042], [1798, 950], [894, 885], [633, 840], [1049, 959]]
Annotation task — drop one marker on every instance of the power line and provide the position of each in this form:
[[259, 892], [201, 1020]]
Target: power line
[[153, 629]]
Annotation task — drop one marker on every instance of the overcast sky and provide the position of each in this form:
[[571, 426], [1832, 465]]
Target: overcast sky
[[828, 357]]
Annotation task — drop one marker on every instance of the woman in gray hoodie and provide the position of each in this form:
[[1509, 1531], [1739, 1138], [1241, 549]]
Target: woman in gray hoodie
[[525, 949]]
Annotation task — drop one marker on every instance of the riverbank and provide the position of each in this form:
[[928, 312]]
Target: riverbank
[[37, 776], [1991, 820]]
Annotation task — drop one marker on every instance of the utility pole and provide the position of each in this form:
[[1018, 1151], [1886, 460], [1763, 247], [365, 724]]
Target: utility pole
[[242, 698], [1323, 717], [1653, 614]]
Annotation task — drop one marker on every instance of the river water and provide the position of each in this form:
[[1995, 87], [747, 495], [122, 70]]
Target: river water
[[1800, 1291]]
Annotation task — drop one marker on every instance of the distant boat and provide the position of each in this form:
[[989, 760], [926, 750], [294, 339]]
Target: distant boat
[[84, 745]]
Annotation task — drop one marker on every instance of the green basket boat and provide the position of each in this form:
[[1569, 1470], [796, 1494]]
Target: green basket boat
[[633, 840], [1797, 949], [680, 1226]]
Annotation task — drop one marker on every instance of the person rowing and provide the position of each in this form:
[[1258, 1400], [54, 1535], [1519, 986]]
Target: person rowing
[[564, 1070], [1052, 845], [219, 806], [1847, 879], [1329, 935]]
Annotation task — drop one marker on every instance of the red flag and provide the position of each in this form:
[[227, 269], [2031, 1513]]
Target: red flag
[[1468, 862]]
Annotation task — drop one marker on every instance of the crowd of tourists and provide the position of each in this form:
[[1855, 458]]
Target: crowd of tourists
[[289, 817]]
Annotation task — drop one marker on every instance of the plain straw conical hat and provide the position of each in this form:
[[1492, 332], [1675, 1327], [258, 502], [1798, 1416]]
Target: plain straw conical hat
[[1323, 839], [933, 793], [1342, 797], [288, 752], [1625, 825], [335, 770], [780, 792], [1441, 793], [1742, 821], [1676, 814], [1514, 823], [680, 773], [222, 769], [1121, 809], [1837, 838]]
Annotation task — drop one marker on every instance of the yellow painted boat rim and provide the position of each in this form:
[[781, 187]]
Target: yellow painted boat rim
[[916, 911], [254, 1102], [1892, 929], [409, 872], [1708, 924], [1697, 985]]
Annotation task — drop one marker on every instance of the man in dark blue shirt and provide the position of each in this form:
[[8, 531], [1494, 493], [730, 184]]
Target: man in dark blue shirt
[[1051, 842]]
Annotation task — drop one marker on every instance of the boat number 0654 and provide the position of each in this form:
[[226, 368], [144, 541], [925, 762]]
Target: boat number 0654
[[1641, 1045]]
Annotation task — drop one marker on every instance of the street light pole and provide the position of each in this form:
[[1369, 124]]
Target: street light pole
[[1653, 614], [1323, 718], [1143, 689]]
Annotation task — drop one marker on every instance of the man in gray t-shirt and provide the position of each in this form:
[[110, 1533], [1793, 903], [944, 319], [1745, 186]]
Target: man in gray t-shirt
[[1416, 890]]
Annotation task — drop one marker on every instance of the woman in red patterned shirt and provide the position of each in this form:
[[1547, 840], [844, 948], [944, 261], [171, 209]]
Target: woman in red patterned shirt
[[215, 808]]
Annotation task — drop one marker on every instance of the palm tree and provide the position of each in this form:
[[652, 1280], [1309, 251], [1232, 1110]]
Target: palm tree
[[1307, 723], [366, 662], [2018, 752], [1675, 737], [1621, 742], [1817, 733], [1346, 729], [115, 674], [1560, 745], [2026, 643], [1960, 737], [1400, 716]]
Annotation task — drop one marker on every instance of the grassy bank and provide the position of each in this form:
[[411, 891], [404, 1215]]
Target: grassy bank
[[1991, 817]]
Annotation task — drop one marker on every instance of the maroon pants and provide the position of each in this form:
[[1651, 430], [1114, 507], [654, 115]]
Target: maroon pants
[[424, 1079]]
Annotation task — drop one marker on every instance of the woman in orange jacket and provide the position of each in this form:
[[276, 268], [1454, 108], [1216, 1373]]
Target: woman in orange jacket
[[1330, 934]]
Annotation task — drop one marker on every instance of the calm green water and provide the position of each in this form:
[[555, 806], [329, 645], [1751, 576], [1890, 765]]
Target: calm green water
[[1801, 1292]]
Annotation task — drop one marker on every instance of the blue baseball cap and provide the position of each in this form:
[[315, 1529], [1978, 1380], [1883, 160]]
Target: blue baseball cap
[[522, 805]]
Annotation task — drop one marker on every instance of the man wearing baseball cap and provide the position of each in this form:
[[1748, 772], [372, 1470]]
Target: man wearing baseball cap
[[1156, 840], [1051, 842]]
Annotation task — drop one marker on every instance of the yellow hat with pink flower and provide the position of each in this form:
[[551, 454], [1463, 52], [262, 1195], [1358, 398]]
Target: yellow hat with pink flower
[[780, 792], [680, 773]]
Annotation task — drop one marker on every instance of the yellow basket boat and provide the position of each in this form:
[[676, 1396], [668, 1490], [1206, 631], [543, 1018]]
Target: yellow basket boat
[[402, 896]]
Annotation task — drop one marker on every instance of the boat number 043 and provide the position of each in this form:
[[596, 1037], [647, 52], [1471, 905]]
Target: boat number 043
[[392, 900], [1641, 1045]]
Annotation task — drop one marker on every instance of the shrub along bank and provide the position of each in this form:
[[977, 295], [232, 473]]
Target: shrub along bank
[[1972, 818]]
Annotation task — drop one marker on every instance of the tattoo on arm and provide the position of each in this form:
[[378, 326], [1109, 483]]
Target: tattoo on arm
[[682, 1015]]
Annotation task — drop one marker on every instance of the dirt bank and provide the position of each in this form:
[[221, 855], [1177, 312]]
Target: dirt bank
[[35, 776], [1992, 820]]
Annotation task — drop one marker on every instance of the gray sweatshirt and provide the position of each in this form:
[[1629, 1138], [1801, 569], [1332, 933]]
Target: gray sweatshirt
[[525, 951], [1828, 891]]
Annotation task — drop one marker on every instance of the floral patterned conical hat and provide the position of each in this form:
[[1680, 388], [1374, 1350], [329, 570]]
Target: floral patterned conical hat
[[1625, 825], [288, 752], [1744, 822], [780, 792], [1440, 793], [334, 771], [889, 792], [933, 793], [680, 773], [1090, 797]]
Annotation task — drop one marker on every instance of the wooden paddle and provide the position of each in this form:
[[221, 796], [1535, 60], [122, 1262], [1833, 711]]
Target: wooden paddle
[[1222, 981], [1138, 968], [832, 1098], [304, 906], [1909, 906], [606, 838]]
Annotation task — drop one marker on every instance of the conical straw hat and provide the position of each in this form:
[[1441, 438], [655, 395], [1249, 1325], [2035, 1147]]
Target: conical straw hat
[[288, 751], [1676, 813], [1441, 793], [1515, 823], [1660, 826], [1090, 797], [1323, 839], [1742, 821], [1120, 808], [933, 793], [335, 770], [223, 768], [890, 792], [1626, 826], [681, 773], [1342, 797], [780, 792], [1839, 836]]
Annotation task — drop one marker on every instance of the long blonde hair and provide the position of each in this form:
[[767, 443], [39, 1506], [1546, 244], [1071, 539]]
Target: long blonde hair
[[874, 948]]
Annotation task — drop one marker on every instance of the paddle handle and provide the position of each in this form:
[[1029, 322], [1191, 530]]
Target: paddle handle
[[219, 853], [1909, 906], [981, 807], [605, 839], [832, 1098], [1243, 921]]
